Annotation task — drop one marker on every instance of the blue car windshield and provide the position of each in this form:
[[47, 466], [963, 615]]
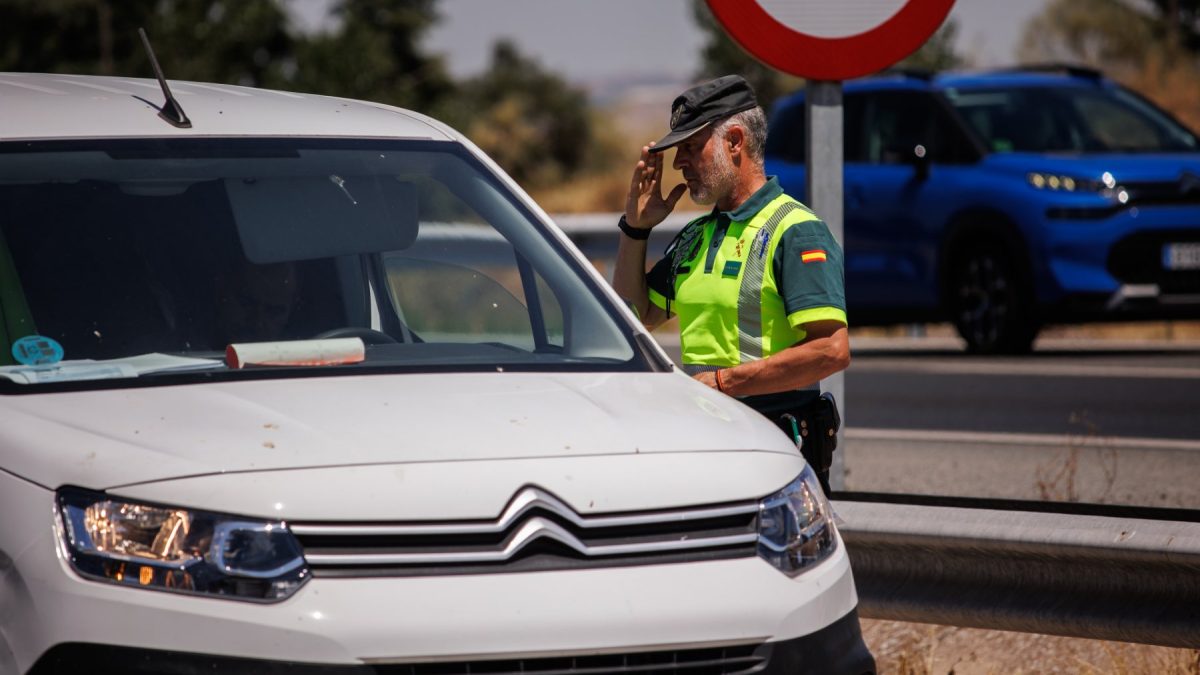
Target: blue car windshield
[[1070, 120]]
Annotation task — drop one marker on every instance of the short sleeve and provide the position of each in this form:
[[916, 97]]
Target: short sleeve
[[808, 269], [658, 283]]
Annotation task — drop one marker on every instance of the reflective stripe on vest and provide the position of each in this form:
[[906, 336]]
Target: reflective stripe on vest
[[749, 307]]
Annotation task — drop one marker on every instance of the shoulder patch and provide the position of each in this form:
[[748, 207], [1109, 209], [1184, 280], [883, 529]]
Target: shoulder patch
[[812, 256]]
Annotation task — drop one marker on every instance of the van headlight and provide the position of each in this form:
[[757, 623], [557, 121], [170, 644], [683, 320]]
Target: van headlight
[[795, 526], [181, 550]]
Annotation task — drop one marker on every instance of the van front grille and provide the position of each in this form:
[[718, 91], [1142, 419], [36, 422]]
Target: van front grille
[[535, 532]]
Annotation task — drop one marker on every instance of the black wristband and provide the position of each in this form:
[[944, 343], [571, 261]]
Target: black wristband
[[632, 232]]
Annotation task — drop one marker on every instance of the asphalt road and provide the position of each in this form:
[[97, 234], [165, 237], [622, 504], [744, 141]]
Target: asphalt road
[[1098, 422], [1141, 392], [1081, 422], [1145, 391]]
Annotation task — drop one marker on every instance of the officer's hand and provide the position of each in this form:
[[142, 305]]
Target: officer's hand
[[707, 377], [646, 206]]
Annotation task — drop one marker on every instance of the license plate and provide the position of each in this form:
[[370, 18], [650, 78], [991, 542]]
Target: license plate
[[1181, 257]]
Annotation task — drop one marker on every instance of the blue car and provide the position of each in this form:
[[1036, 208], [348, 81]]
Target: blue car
[[1005, 201]]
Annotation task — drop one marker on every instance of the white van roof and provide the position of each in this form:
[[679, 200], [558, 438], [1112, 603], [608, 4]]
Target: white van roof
[[50, 106]]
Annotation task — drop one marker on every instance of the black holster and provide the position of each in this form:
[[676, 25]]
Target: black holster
[[812, 421]]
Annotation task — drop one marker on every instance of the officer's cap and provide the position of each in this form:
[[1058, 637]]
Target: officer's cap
[[704, 104]]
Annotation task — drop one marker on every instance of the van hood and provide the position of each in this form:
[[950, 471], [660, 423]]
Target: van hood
[[108, 438]]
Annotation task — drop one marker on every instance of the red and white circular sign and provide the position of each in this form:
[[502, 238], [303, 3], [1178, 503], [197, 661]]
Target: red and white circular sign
[[830, 39]]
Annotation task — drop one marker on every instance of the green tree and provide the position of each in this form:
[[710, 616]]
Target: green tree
[[230, 41], [1096, 32], [1179, 24], [67, 35], [375, 54], [1110, 33], [722, 56], [1150, 47], [938, 53], [529, 119]]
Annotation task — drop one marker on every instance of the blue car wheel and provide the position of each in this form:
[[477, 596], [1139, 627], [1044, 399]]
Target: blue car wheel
[[990, 303]]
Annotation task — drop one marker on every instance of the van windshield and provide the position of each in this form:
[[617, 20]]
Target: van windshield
[[124, 258], [1069, 119]]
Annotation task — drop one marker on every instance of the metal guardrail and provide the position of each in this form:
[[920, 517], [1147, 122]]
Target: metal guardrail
[[596, 233], [605, 223], [1092, 576]]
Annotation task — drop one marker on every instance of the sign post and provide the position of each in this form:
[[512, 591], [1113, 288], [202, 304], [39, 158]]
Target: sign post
[[823, 182], [825, 42]]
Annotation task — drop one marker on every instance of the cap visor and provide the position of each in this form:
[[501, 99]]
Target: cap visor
[[676, 137]]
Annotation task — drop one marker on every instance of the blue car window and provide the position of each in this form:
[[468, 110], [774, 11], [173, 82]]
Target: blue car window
[[787, 140], [895, 122], [1071, 119]]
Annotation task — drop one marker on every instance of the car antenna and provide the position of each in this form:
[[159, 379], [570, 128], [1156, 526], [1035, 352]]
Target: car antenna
[[170, 111]]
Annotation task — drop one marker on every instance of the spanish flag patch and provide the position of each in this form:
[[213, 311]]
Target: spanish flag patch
[[815, 255]]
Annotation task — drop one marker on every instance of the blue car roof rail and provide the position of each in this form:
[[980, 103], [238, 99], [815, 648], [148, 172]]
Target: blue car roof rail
[[914, 73], [1074, 70]]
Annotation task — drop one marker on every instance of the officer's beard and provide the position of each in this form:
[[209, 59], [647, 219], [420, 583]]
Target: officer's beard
[[717, 180]]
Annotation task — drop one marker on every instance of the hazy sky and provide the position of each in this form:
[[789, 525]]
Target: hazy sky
[[588, 40]]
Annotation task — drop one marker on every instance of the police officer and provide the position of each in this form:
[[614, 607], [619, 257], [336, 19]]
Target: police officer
[[757, 283]]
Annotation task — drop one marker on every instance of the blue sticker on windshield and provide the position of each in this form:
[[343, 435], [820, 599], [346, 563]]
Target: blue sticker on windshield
[[37, 350]]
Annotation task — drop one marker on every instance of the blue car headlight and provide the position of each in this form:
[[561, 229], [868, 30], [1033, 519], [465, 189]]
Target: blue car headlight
[[1106, 186], [180, 550], [795, 526]]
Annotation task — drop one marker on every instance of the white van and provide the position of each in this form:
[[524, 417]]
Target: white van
[[307, 384]]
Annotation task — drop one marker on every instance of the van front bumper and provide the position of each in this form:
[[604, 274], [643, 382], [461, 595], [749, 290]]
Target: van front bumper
[[837, 649]]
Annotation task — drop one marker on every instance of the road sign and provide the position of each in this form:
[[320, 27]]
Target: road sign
[[830, 39]]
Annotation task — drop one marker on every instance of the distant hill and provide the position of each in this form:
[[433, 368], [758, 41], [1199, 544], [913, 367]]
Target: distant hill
[[637, 103]]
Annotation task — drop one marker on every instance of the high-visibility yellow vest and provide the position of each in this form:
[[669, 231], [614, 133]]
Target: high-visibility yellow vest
[[732, 308]]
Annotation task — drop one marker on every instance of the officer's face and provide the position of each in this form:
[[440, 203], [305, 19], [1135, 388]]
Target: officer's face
[[706, 166]]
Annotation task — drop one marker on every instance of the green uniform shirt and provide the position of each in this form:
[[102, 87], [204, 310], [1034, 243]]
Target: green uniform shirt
[[797, 267]]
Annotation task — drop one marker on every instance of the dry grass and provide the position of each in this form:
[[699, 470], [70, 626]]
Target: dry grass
[[594, 193], [1167, 331], [922, 649], [1056, 481]]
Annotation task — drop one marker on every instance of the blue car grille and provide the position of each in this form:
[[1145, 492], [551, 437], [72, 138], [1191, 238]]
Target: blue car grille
[[1138, 259]]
